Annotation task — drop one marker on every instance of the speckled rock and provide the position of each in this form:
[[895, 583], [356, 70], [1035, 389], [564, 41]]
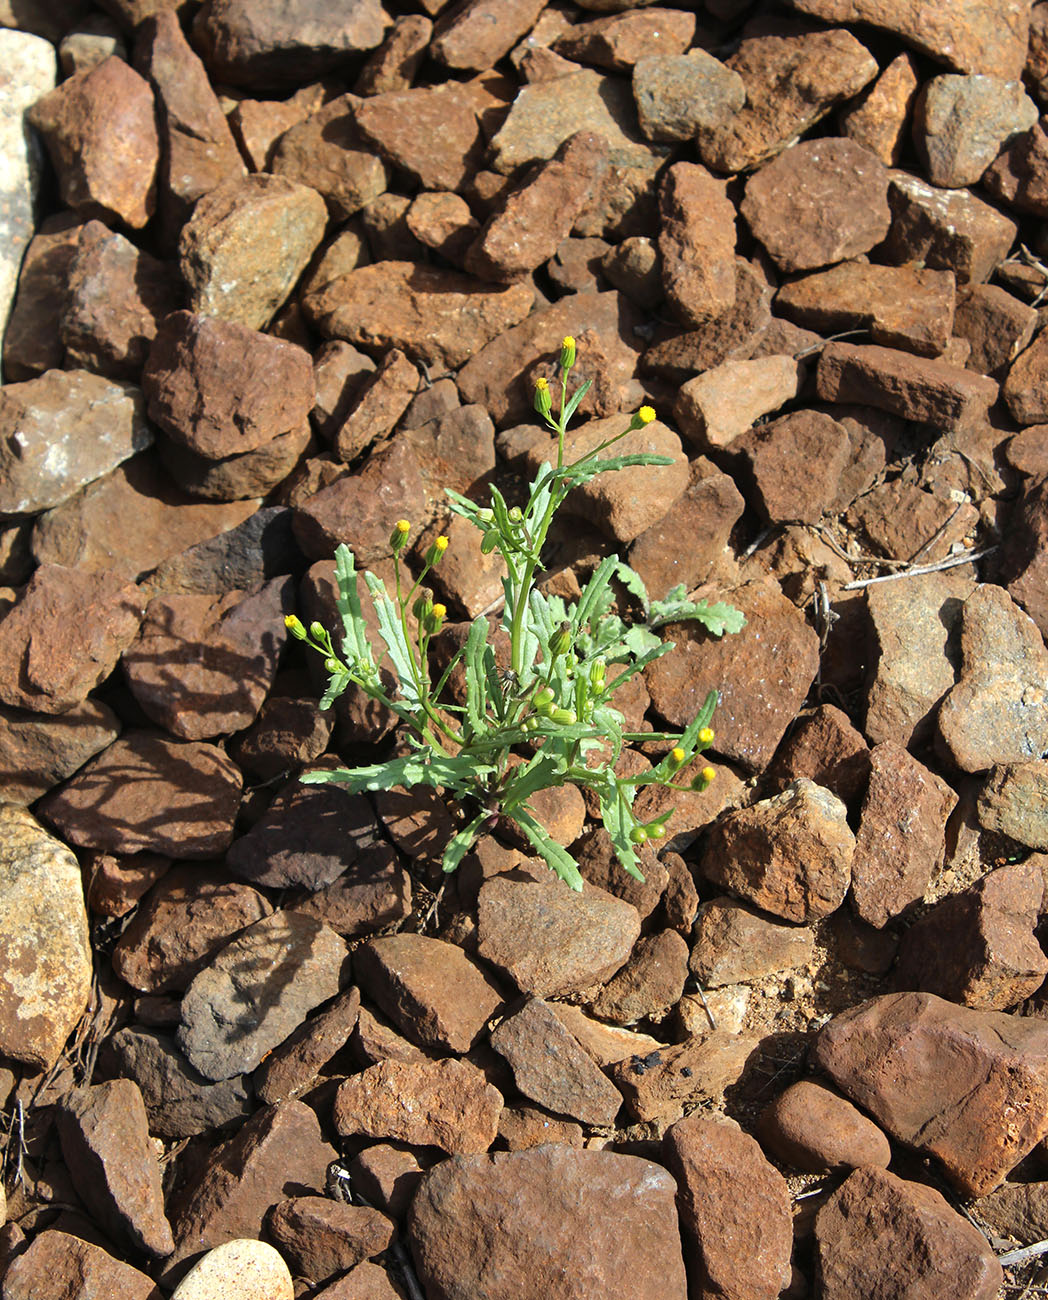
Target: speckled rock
[[252, 1270]]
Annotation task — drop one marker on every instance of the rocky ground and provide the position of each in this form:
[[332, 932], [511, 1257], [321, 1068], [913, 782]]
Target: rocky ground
[[279, 274]]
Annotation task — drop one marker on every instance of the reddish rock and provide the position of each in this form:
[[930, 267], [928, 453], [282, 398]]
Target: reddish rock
[[63, 636], [815, 1129], [474, 36], [31, 342], [876, 120], [965, 1086], [996, 712], [433, 134], [523, 1127], [606, 1044], [900, 841], [793, 77], [714, 408], [383, 399], [444, 223], [659, 1085], [56, 1264], [374, 1042], [879, 1233], [187, 919], [978, 947], [550, 1067], [80, 120], [679, 94], [394, 64], [1025, 558], [146, 792], [696, 244], [455, 450], [734, 945], [650, 983], [290, 1068], [329, 153], [680, 903], [387, 1177], [997, 327], [1014, 802], [619, 40], [446, 1104], [320, 1238], [289, 732], [38, 751], [789, 855], [734, 1208], [598, 863], [796, 464], [826, 748], [904, 521], [776, 646], [950, 230], [105, 1141], [550, 940], [961, 123], [525, 1223], [1023, 390]]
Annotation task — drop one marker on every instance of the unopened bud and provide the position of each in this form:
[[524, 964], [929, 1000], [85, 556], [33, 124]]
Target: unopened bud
[[488, 542], [331, 665], [317, 631], [562, 717], [515, 514], [423, 605], [598, 669], [485, 515], [639, 835], [567, 353], [543, 401], [704, 779], [560, 642], [294, 626]]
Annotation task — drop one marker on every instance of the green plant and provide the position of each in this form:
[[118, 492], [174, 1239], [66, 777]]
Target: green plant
[[555, 697]]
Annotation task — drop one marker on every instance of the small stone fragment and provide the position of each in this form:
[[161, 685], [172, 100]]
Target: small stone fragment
[[796, 463], [55, 1265], [650, 983], [734, 945], [876, 119], [321, 1238], [815, 1129], [658, 1085], [677, 95], [1014, 802]]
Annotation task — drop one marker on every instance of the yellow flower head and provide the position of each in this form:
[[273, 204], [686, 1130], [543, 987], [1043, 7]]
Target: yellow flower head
[[708, 773], [403, 526], [706, 736], [441, 544], [438, 611], [677, 754], [567, 353], [646, 414], [542, 384]]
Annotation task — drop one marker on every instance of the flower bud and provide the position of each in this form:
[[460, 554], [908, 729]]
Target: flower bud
[[560, 642], [542, 697], [317, 632], [644, 416], [706, 736], [598, 670], [399, 535], [515, 514], [432, 621], [488, 542], [567, 353], [294, 626], [543, 401], [704, 779], [677, 755], [658, 831], [423, 605], [331, 665], [485, 515], [639, 835], [436, 551], [562, 717]]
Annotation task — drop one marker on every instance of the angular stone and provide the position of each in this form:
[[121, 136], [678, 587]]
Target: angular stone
[[434, 134], [1025, 559], [950, 230], [430, 989], [63, 636], [1017, 175], [105, 1143], [599, 864], [900, 841], [998, 710], [61, 431], [793, 77], [246, 244], [1014, 802], [244, 475], [45, 952], [996, 325], [776, 646], [678, 94], [436, 316], [878, 1231], [383, 399], [202, 666], [696, 244], [238, 557], [1016, 1210], [245, 43], [969, 35], [658, 1085], [796, 463], [551, 1207], [321, 1238], [815, 1129], [523, 1127], [387, 1177], [877, 118], [328, 153], [185, 921], [146, 792], [550, 940], [446, 1104], [714, 408], [31, 343], [915, 388], [254, 1268], [80, 120], [56, 1265], [650, 983], [978, 947], [38, 751], [789, 855], [550, 1067], [1024, 388], [822, 201], [290, 1068], [735, 945], [734, 1207], [961, 124], [968, 1087], [825, 747], [474, 36], [394, 64], [901, 307], [257, 990]]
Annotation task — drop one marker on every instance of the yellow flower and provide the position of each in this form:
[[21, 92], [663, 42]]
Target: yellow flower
[[708, 773], [403, 526], [439, 611], [441, 543], [677, 754], [567, 353], [646, 414], [706, 736]]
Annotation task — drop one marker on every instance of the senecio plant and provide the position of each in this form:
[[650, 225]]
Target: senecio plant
[[555, 699]]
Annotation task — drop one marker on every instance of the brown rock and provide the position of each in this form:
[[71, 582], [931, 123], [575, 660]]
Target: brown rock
[[950, 230], [996, 325], [31, 341], [105, 1143], [811, 72], [877, 118], [658, 1085], [394, 64], [58, 1264], [776, 646], [905, 522], [714, 408], [978, 947], [524, 1223], [80, 120], [1016, 1210], [996, 713], [606, 1044], [146, 792], [901, 307], [472, 37], [243, 475], [734, 945], [1014, 802], [186, 920], [599, 864], [551, 1068], [246, 244], [436, 316], [796, 464], [1023, 390], [826, 748], [455, 450], [387, 1177], [374, 1042], [900, 841], [961, 123], [114, 885], [927, 391], [1025, 559], [38, 751], [290, 1068], [329, 153], [734, 1207], [967, 1087], [447, 1104], [383, 399], [696, 244], [678, 94], [877, 1231], [320, 1238], [63, 635], [620, 40], [433, 134], [1017, 177], [814, 1128], [523, 1127], [444, 223], [650, 983], [789, 855]]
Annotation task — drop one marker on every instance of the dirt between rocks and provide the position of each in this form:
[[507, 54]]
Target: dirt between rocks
[[276, 276]]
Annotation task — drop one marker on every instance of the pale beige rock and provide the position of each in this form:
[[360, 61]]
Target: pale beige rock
[[716, 407], [250, 1270]]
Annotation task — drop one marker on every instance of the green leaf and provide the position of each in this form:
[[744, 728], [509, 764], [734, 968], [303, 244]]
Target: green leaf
[[396, 642], [717, 618], [556, 857], [355, 646], [539, 773], [476, 678], [572, 404], [337, 684], [462, 841], [591, 603], [424, 767], [615, 804], [633, 583], [640, 640], [631, 670]]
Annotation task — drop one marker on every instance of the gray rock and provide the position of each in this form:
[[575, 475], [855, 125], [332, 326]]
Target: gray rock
[[1015, 803], [677, 95], [961, 124]]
